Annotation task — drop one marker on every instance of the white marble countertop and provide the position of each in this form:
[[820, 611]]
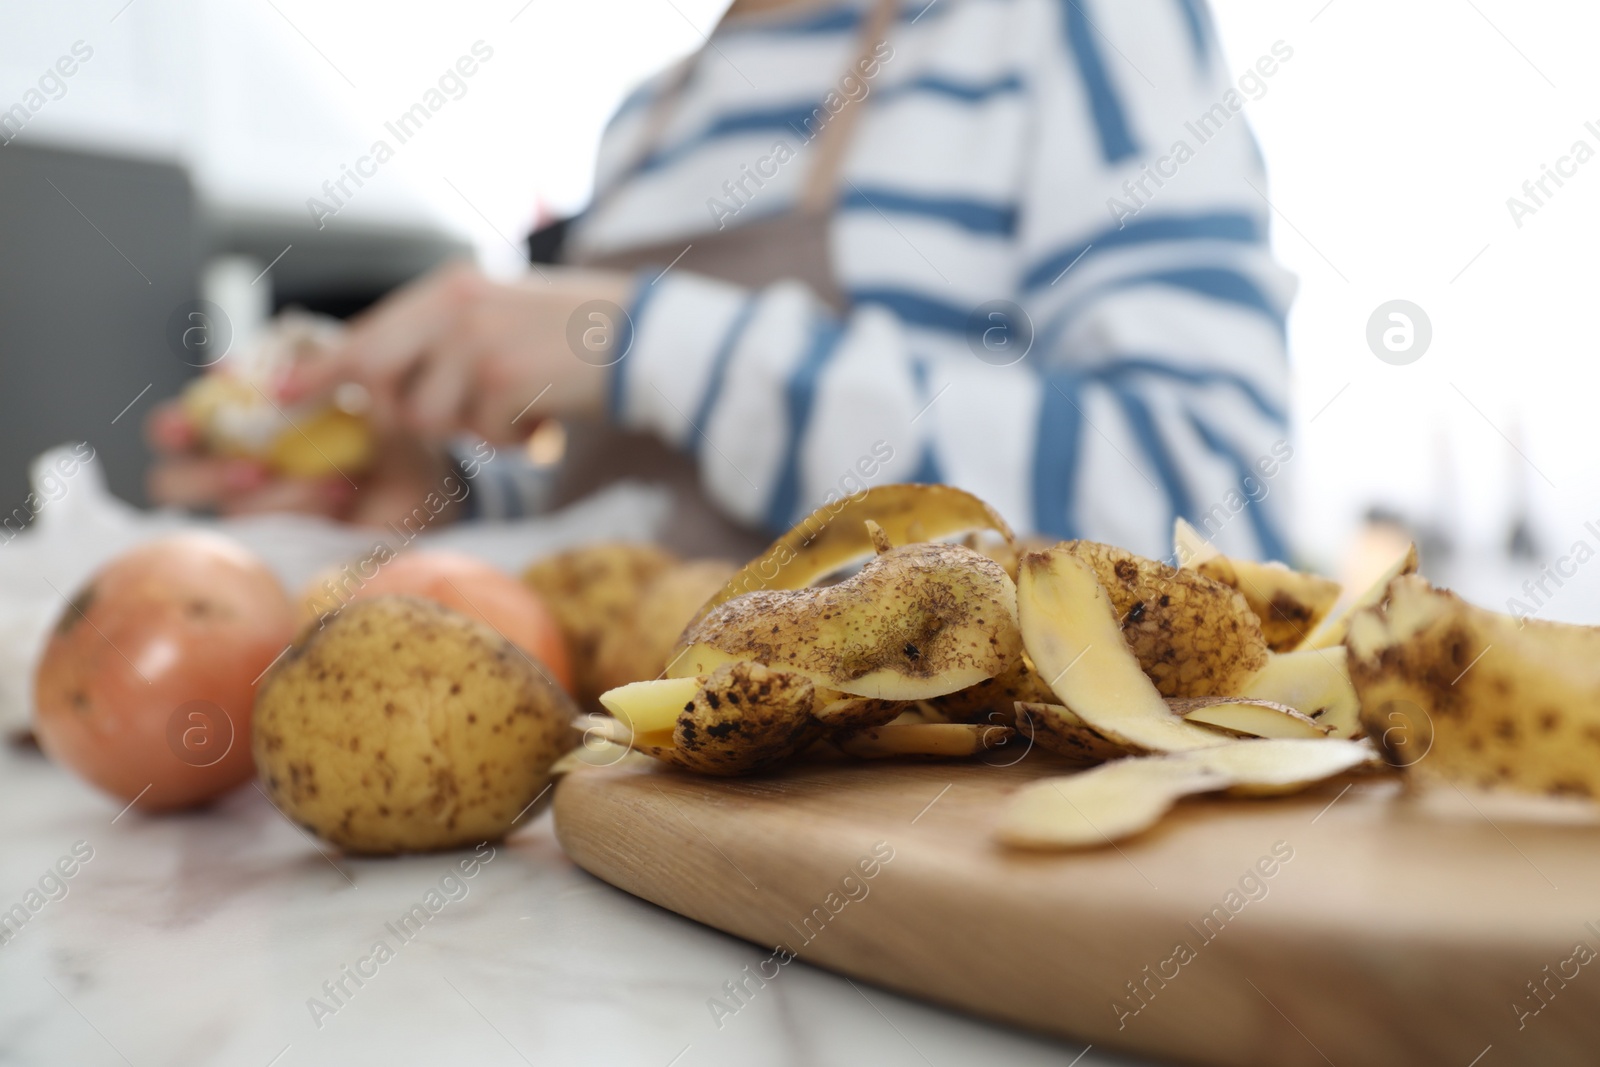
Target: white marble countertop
[[200, 939]]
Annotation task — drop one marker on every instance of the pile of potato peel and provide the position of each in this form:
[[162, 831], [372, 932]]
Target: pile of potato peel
[[1163, 682]]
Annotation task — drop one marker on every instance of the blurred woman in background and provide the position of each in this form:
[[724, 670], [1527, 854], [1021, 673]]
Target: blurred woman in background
[[1018, 246]]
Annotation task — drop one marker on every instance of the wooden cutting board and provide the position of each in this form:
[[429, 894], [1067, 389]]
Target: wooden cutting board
[[1387, 933]]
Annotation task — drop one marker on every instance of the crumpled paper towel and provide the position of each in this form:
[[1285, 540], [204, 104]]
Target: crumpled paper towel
[[79, 525]]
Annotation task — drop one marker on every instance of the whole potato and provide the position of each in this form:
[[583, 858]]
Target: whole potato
[[469, 585], [636, 649], [591, 590], [404, 726]]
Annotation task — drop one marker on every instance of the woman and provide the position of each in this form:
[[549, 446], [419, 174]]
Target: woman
[[952, 241]]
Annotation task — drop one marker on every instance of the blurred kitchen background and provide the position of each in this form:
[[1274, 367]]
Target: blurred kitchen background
[[175, 161]]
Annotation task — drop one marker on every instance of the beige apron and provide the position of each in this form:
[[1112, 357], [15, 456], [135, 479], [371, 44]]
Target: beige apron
[[759, 253]]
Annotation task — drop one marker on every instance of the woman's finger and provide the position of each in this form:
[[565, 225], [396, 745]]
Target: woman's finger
[[433, 404], [506, 417], [385, 343]]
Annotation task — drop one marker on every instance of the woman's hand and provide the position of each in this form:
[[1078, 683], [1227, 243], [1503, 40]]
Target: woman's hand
[[405, 471], [455, 352], [450, 353]]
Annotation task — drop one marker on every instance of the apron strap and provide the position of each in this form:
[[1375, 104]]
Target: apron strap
[[822, 181], [661, 109], [821, 188]]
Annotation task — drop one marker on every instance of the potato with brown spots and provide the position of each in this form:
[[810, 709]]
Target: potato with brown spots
[[917, 621], [994, 699], [744, 718], [835, 536], [1193, 636], [403, 726], [741, 718], [849, 714], [1074, 637], [1456, 693], [592, 590], [639, 647], [1289, 603], [1007, 551]]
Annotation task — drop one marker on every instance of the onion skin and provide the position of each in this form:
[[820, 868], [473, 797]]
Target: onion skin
[[146, 684]]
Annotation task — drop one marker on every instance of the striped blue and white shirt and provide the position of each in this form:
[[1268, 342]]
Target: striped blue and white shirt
[[1083, 160]]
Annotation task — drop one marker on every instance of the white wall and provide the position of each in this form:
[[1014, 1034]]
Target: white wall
[[266, 99], [1393, 140]]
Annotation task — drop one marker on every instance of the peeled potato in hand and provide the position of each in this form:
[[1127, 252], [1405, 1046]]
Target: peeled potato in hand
[[403, 726], [327, 442], [234, 411]]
